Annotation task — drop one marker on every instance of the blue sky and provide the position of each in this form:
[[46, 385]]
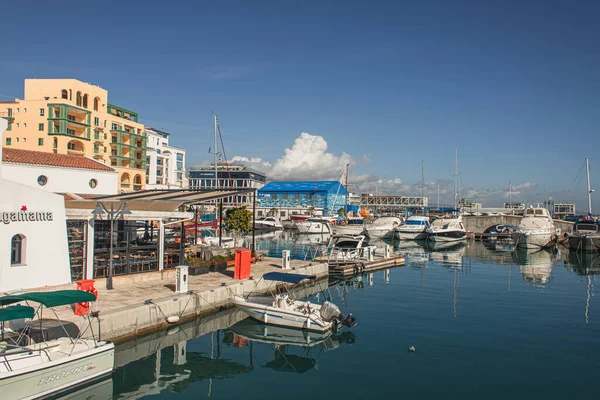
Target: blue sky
[[513, 84]]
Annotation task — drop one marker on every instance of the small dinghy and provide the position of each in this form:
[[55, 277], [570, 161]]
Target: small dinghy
[[281, 310]]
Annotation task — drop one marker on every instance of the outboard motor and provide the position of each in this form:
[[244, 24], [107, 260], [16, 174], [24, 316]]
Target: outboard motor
[[331, 313]]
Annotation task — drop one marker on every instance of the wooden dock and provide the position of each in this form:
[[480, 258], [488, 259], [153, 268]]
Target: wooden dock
[[365, 266]]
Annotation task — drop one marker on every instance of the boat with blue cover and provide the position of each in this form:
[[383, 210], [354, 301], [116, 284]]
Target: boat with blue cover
[[282, 310]]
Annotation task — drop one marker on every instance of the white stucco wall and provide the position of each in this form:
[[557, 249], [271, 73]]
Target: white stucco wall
[[63, 180], [46, 254]]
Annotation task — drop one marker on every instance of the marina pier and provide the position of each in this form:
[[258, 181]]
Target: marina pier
[[141, 304]]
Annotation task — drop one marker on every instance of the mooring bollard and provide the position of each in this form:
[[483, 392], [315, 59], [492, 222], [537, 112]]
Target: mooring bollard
[[386, 251], [285, 259]]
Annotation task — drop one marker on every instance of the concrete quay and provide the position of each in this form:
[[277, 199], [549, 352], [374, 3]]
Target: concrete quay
[[125, 312]]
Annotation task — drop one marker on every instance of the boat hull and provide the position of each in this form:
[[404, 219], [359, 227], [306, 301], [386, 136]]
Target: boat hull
[[411, 235], [375, 233], [313, 228], [279, 317], [533, 240], [447, 236], [584, 243], [347, 229], [59, 375]]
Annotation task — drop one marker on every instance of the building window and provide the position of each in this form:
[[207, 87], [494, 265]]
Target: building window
[[24, 110], [42, 180], [78, 99], [8, 141], [273, 196], [10, 112], [41, 126], [18, 109], [17, 124], [85, 100], [93, 183], [284, 195], [42, 112], [40, 141], [17, 250], [96, 103], [71, 146], [24, 124], [64, 94], [96, 121]]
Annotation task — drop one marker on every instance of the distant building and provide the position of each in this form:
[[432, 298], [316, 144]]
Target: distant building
[[230, 177], [563, 210], [516, 206], [469, 204], [165, 163], [391, 204], [325, 196]]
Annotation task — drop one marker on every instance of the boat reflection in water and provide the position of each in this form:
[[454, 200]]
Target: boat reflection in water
[[535, 266], [448, 253], [584, 263], [294, 350], [102, 390]]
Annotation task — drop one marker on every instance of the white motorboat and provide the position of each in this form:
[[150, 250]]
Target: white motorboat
[[32, 370], [314, 225], [353, 226], [536, 229], [267, 224], [345, 249], [281, 310], [447, 229], [415, 228], [382, 228], [253, 330]]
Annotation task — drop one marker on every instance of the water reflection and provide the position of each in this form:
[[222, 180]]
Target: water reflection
[[584, 263], [101, 390], [294, 350], [535, 266]]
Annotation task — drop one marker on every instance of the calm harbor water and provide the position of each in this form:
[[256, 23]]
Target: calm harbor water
[[485, 322]]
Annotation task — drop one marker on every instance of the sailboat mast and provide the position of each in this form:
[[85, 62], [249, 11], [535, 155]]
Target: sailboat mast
[[589, 189], [346, 210], [455, 175], [510, 197], [438, 203], [423, 183], [216, 151]]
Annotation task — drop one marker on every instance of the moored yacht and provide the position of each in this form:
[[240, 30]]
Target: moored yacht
[[267, 224], [415, 228], [353, 226], [447, 229], [536, 229], [314, 225], [382, 227], [585, 236]]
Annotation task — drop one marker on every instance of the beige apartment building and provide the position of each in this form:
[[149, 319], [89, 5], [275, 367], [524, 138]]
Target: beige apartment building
[[67, 116]]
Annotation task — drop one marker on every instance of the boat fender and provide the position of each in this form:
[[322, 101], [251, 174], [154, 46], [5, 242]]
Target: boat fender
[[412, 349], [173, 319]]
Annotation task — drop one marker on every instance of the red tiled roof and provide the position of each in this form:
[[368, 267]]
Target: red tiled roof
[[19, 156]]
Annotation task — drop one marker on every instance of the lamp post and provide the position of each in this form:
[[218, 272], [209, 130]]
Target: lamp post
[[113, 214]]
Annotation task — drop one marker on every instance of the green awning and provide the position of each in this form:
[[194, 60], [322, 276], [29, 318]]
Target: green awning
[[50, 299], [16, 312]]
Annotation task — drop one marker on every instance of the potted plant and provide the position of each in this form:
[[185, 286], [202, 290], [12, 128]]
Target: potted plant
[[218, 264], [230, 258], [199, 267]]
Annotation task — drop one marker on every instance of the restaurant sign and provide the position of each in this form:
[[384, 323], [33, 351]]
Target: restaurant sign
[[26, 216]]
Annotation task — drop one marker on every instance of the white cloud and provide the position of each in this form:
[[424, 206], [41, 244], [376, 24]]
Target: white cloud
[[306, 159]]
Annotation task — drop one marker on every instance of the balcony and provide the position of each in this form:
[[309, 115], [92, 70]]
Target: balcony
[[63, 129], [70, 114]]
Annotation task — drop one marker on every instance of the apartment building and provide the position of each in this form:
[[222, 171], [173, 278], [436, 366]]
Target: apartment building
[[67, 116], [165, 163]]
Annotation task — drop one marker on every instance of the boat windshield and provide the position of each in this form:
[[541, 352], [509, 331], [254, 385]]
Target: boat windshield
[[413, 222]]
